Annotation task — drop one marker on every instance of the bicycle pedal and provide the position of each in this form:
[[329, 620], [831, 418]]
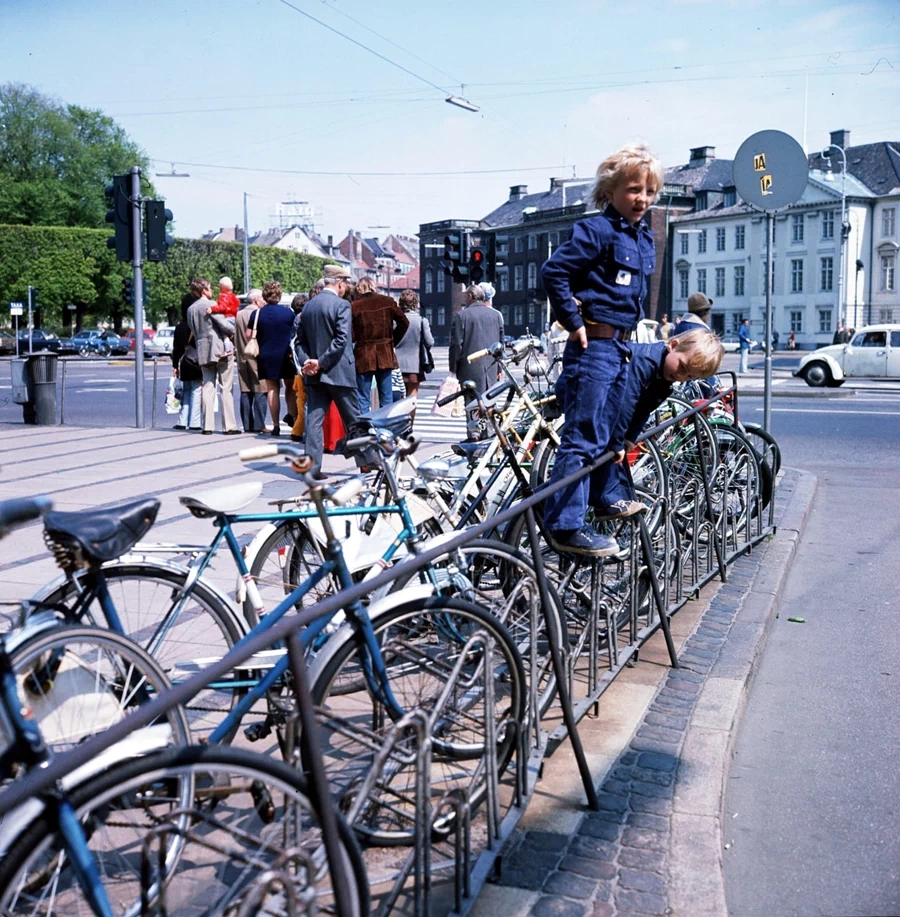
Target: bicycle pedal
[[263, 802], [258, 731]]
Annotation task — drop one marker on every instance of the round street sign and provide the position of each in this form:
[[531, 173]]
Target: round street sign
[[770, 170]]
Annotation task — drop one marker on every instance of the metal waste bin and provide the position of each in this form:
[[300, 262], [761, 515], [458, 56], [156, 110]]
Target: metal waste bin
[[42, 370]]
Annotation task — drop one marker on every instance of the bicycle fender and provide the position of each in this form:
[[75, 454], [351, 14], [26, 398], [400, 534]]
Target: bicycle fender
[[140, 743]]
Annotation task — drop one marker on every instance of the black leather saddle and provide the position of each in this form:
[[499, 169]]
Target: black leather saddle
[[104, 534], [471, 451]]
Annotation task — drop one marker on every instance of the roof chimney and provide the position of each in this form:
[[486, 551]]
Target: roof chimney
[[702, 155], [841, 138], [556, 183], [517, 192], [330, 242]]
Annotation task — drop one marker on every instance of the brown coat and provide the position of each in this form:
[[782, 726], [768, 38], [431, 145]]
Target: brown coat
[[378, 325]]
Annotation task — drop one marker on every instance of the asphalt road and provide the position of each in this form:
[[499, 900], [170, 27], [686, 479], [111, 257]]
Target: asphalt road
[[811, 811]]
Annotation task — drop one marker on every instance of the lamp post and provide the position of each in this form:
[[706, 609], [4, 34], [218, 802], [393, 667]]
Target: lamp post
[[826, 154]]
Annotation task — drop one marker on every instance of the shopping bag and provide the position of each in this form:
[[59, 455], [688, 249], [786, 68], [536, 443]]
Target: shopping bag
[[449, 386], [332, 428], [173, 395]]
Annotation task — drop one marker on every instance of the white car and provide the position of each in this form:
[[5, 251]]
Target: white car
[[873, 351], [161, 342]]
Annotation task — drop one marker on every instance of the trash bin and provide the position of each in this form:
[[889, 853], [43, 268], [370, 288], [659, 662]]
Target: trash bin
[[42, 370]]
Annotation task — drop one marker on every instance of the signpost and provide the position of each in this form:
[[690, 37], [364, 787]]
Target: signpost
[[15, 310], [771, 172]]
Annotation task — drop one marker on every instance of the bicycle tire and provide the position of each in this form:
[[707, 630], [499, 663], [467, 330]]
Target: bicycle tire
[[274, 826], [742, 463], [765, 445], [435, 628], [79, 681], [205, 628]]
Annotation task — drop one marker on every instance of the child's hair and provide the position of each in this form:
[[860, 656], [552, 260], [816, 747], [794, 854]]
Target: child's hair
[[627, 159], [704, 351]]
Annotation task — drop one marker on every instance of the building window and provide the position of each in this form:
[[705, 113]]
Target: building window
[[827, 224], [739, 235], [685, 243], [720, 239], [729, 198], [796, 275], [520, 243], [736, 319], [701, 280], [824, 320], [701, 241], [429, 281], [826, 275], [502, 245], [739, 280], [440, 281], [700, 200], [797, 227], [683, 283], [796, 321], [532, 241], [518, 315], [887, 274], [553, 239], [504, 311], [887, 222], [517, 277], [532, 275], [503, 279], [532, 314], [720, 281], [886, 315], [441, 315]]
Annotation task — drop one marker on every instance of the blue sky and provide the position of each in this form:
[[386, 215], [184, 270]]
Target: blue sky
[[255, 85]]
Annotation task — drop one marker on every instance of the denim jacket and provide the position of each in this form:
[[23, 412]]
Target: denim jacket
[[606, 265], [645, 390]]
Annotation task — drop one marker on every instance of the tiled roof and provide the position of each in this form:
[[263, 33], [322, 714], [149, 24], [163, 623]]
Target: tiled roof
[[408, 281], [269, 237], [712, 176], [510, 213], [876, 165]]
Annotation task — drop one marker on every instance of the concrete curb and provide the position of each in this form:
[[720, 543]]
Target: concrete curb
[[696, 874]]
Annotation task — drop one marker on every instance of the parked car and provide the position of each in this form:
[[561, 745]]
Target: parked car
[[732, 343], [7, 343], [129, 337], [874, 351], [40, 340], [161, 342]]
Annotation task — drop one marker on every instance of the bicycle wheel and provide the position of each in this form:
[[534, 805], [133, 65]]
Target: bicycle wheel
[[79, 681], [748, 483], [258, 846], [176, 632], [421, 642], [766, 446], [502, 580]]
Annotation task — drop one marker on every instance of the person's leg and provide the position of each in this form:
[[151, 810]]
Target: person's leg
[[385, 391], [273, 395], [195, 412], [246, 416], [300, 407], [290, 399], [411, 384], [318, 400], [258, 407], [185, 412], [742, 365], [208, 397], [364, 387], [226, 377]]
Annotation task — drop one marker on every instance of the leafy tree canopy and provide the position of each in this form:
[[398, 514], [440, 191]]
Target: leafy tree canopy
[[56, 160]]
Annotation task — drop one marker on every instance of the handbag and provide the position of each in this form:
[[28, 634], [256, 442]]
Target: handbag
[[426, 358], [251, 348]]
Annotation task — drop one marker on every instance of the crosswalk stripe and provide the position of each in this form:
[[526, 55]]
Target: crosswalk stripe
[[435, 428]]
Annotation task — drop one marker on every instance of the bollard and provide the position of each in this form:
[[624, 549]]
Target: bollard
[[42, 369], [153, 395], [62, 394]]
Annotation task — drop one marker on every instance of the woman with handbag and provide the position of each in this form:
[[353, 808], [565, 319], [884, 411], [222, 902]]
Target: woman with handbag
[[414, 350], [186, 368]]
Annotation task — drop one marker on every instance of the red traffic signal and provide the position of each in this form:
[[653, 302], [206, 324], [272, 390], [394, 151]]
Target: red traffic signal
[[476, 265]]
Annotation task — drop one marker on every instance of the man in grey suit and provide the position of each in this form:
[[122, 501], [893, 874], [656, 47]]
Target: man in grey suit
[[475, 328], [216, 358], [323, 349]]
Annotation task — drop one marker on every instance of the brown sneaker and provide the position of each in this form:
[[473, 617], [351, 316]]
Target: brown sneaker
[[622, 509]]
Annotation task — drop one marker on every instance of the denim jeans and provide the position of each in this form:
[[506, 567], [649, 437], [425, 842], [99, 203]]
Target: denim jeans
[[190, 416], [742, 365], [590, 391], [364, 384]]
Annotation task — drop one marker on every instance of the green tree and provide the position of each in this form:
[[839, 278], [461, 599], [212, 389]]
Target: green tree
[[56, 160]]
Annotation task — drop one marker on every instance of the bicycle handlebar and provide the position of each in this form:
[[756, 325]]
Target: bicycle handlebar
[[465, 389], [14, 513]]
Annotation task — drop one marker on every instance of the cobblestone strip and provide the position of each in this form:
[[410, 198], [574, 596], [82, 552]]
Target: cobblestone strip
[[616, 864]]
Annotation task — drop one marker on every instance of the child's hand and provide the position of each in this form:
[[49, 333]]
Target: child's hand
[[209, 311], [620, 456], [580, 335]]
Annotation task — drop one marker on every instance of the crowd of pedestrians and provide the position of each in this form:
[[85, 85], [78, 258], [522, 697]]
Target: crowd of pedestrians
[[329, 347]]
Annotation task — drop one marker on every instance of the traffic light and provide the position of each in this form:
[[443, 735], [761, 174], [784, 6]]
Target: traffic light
[[158, 240], [119, 214], [128, 291], [453, 261], [477, 264]]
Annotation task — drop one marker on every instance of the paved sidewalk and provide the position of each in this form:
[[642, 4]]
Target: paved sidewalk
[[659, 752]]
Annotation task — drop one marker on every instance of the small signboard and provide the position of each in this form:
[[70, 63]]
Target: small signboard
[[770, 170], [15, 308]]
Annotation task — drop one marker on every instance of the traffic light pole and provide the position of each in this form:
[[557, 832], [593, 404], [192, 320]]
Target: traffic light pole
[[30, 321], [137, 263]]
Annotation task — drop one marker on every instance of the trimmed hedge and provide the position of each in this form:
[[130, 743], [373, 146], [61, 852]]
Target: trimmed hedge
[[72, 265]]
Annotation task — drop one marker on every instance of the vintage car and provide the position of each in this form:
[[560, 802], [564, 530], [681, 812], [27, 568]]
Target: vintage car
[[873, 351]]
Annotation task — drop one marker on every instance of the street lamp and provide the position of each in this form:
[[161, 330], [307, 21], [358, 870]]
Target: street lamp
[[826, 154]]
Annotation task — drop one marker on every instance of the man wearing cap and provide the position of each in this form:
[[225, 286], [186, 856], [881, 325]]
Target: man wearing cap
[[323, 349], [697, 316]]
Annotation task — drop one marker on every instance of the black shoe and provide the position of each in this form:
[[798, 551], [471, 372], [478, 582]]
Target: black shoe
[[276, 431], [207, 432], [320, 476], [179, 426], [289, 420], [232, 433], [296, 439], [584, 542]]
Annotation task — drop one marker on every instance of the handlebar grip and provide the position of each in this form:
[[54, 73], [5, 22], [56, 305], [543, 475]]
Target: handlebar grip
[[478, 355], [448, 398], [360, 442], [24, 509], [257, 452], [347, 492]]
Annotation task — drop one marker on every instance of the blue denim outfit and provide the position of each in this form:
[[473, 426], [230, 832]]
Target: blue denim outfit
[[382, 379], [606, 265]]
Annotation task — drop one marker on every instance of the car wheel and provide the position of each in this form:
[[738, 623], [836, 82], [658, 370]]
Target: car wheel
[[84, 351], [818, 375]]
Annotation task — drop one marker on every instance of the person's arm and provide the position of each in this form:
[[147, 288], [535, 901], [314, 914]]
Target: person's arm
[[179, 341], [251, 324], [217, 308], [401, 323], [341, 340], [456, 341], [224, 326], [426, 332], [301, 345], [573, 257]]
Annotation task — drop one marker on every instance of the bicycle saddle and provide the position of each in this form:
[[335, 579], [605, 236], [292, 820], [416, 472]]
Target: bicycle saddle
[[471, 450], [103, 534], [206, 503], [395, 417]]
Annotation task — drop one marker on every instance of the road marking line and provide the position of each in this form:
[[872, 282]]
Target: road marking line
[[816, 411]]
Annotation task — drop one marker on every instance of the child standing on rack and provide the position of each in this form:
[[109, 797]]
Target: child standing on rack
[[597, 282]]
